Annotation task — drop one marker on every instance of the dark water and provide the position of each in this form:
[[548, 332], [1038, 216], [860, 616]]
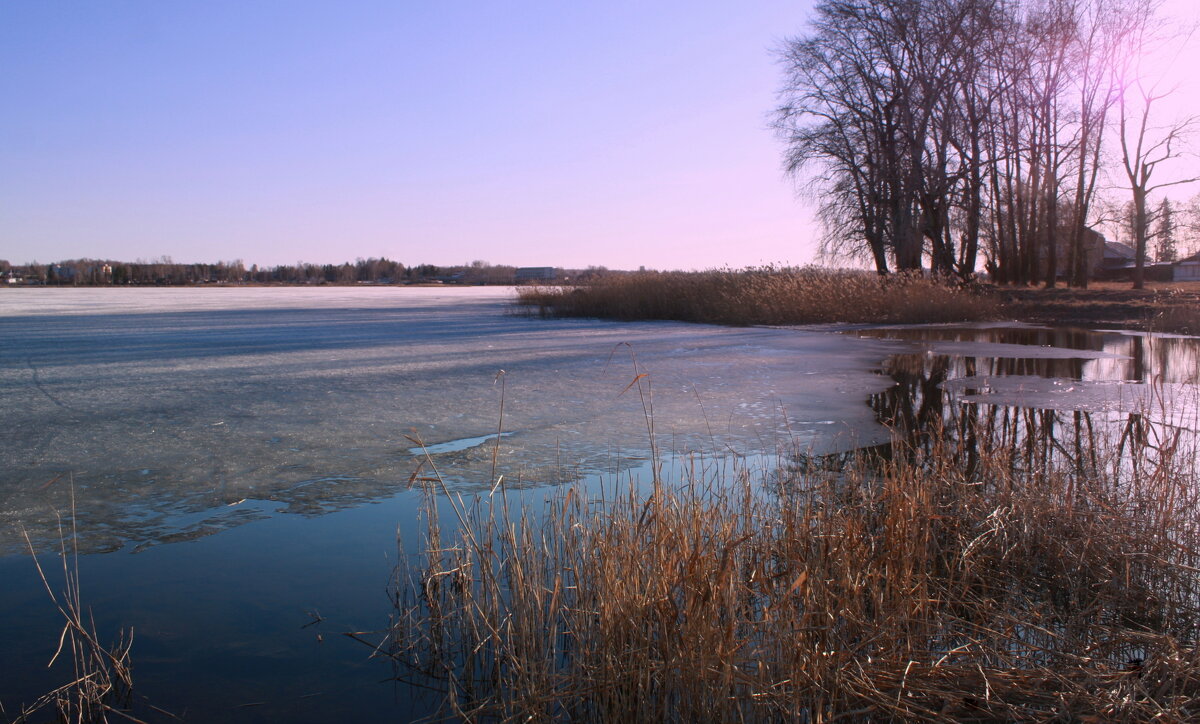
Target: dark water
[[257, 623], [249, 625], [220, 621]]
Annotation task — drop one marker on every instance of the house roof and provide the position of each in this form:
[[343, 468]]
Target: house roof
[[1117, 250]]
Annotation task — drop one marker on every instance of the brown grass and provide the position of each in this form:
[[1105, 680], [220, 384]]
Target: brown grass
[[1178, 319], [920, 588], [766, 295], [1160, 307]]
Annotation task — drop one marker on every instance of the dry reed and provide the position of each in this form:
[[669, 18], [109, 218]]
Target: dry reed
[[102, 678], [913, 588], [766, 295]]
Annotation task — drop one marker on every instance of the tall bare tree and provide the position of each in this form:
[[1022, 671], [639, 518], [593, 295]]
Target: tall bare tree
[[1144, 148], [1103, 26], [873, 111]]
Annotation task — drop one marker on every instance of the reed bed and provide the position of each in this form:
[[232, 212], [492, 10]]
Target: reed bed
[[765, 295], [919, 587]]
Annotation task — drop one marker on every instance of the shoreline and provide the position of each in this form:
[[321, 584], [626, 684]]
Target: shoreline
[[1161, 307]]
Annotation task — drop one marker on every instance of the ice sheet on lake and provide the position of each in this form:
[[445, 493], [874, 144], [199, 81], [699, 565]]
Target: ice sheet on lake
[[189, 399]]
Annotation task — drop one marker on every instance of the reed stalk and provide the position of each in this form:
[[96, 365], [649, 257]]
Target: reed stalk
[[101, 682]]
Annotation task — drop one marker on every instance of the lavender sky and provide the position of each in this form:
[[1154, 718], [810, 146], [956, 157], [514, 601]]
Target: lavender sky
[[613, 133]]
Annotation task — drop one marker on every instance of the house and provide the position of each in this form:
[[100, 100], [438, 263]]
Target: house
[[535, 274], [1116, 263], [1117, 256], [1104, 259], [1187, 269], [1120, 260]]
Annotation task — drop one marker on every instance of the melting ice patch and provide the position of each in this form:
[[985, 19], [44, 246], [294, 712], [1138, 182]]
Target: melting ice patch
[[306, 396], [459, 445]]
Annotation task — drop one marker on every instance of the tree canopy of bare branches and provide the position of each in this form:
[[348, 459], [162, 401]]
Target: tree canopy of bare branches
[[941, 133]]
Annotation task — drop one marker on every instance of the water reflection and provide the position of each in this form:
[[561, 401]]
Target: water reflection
[[922, 412], [1076, 354], [1044, 397]]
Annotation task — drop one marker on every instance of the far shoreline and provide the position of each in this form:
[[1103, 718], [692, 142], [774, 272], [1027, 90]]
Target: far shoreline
[[1161, 306]]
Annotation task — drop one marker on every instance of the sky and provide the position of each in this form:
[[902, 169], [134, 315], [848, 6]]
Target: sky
[[533, 133], [616, 133]]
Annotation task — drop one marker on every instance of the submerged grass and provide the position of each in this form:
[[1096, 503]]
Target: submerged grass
[[766, 295], [930, 586]]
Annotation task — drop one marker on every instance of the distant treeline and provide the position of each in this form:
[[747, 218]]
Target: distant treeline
[[165, 272]]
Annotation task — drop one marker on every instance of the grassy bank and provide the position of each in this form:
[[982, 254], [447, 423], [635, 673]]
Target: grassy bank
[[816, 296], [1160, 307], [764, 296], [1010, 584]]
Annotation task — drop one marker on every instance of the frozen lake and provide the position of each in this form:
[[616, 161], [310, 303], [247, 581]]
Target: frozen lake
[[161, 403], [238, 458]]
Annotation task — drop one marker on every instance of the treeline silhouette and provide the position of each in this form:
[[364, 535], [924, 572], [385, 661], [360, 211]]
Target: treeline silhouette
[[945, 133], [165, 272]]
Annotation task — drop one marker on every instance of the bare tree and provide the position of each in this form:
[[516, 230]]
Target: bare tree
[[838, 119], [1187, 227], [1103, 27], [884, 110], [1145, 147], [936, 130]]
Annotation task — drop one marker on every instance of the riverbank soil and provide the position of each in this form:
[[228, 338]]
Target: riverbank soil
[[1161, 306]]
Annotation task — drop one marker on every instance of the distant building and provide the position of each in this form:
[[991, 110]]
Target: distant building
[[1187, 269], [1120, 261], [1118, 253], [535, 274], [1101, 256], [60, 272], [1117, 258]]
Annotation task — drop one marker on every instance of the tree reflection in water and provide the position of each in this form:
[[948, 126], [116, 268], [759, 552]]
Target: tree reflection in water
[[1038, 434]]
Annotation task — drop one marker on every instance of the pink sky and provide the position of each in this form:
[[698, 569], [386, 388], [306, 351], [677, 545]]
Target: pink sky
[[534, 133]]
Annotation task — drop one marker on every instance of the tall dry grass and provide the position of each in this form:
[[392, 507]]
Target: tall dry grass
[[766, 295], [916, 588]]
